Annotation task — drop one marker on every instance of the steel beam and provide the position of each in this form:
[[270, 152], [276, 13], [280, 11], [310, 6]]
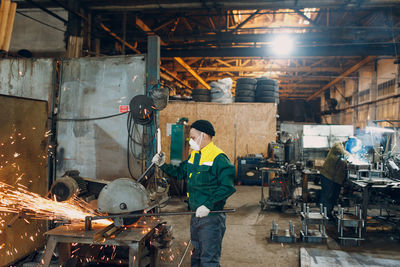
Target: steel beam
[[174, 77], [164, 23], [343, 75], [267, 69], [299, 85], [280, 78], [301, 14], [133, 48], [226, 64], [246, 20], [153, 5], [191, 71], [321, 51], [143, 26]]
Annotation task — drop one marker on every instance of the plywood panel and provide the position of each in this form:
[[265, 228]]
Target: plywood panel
[[23, 159], [253, 124]]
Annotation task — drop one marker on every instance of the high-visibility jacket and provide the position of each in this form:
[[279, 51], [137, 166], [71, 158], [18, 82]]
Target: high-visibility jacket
[[210, 177]]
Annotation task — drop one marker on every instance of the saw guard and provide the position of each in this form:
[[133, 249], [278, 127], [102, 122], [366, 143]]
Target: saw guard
[[123, 195]]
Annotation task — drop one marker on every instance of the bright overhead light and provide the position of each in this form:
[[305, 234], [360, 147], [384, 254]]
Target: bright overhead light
[[282, 45]]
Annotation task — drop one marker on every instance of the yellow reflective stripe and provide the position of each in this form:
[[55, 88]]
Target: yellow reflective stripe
[[209, 153]]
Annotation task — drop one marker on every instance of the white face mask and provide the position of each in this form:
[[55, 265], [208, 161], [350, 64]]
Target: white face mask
[[194, 145]]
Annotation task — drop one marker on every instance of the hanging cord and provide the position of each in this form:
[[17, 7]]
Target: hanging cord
[[91, 119], [136, 139]]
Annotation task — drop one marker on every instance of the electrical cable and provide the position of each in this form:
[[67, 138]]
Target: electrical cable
[[136, 138], [128, 149], [91, 119]]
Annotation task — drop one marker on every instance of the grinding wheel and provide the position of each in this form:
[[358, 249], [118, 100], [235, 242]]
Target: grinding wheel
[[123, 196]]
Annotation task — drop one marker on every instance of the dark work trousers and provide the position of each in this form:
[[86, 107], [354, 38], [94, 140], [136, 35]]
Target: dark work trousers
[[329, 194], [206, 234]]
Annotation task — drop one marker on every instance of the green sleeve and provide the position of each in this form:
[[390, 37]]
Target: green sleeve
[[225, 173], [178, 172]]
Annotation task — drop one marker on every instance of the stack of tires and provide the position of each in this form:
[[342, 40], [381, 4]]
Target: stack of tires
[[245, 90], [201, 95], [267, 91]]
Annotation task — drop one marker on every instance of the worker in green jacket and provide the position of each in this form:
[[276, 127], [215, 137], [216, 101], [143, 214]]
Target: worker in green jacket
[[334, 171], [210, 181]]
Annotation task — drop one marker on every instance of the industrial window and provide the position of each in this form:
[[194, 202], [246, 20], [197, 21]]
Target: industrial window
[[363, 96], [387, 87]]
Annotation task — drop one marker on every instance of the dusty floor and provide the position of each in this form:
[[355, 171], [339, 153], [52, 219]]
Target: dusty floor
[[246, 243]]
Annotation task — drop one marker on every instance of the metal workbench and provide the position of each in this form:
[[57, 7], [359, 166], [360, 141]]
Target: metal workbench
[[132, 237], [368, 185]]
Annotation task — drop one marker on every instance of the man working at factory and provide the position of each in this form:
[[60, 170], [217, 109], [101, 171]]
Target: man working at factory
[[210, 176], [334, 171]]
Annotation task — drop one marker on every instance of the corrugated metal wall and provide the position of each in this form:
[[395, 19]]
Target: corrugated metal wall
[[23, 147], [28, 78], [90, 87], [96, 87]]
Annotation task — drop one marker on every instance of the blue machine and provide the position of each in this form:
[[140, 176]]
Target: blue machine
[[249, 172]]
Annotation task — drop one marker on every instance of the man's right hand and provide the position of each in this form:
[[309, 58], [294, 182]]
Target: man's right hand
[[159, 159]]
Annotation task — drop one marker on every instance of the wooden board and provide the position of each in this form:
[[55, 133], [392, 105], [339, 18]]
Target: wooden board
[[23, 150], [241, 128]]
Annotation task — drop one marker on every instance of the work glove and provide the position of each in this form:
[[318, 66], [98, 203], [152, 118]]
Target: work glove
[[202, 211], [159, 159]]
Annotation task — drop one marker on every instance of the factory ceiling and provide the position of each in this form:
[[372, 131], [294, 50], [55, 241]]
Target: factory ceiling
[[202, 41]]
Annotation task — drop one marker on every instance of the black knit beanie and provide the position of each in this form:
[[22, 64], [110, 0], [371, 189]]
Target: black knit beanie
[[204, 126]]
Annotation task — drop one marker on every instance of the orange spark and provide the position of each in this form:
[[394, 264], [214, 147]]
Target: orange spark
[[20, 200]]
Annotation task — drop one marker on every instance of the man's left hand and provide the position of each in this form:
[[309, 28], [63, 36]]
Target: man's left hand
[[202, 211]]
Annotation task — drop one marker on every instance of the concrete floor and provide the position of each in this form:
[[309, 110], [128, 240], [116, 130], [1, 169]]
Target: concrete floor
[[246, 243]]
